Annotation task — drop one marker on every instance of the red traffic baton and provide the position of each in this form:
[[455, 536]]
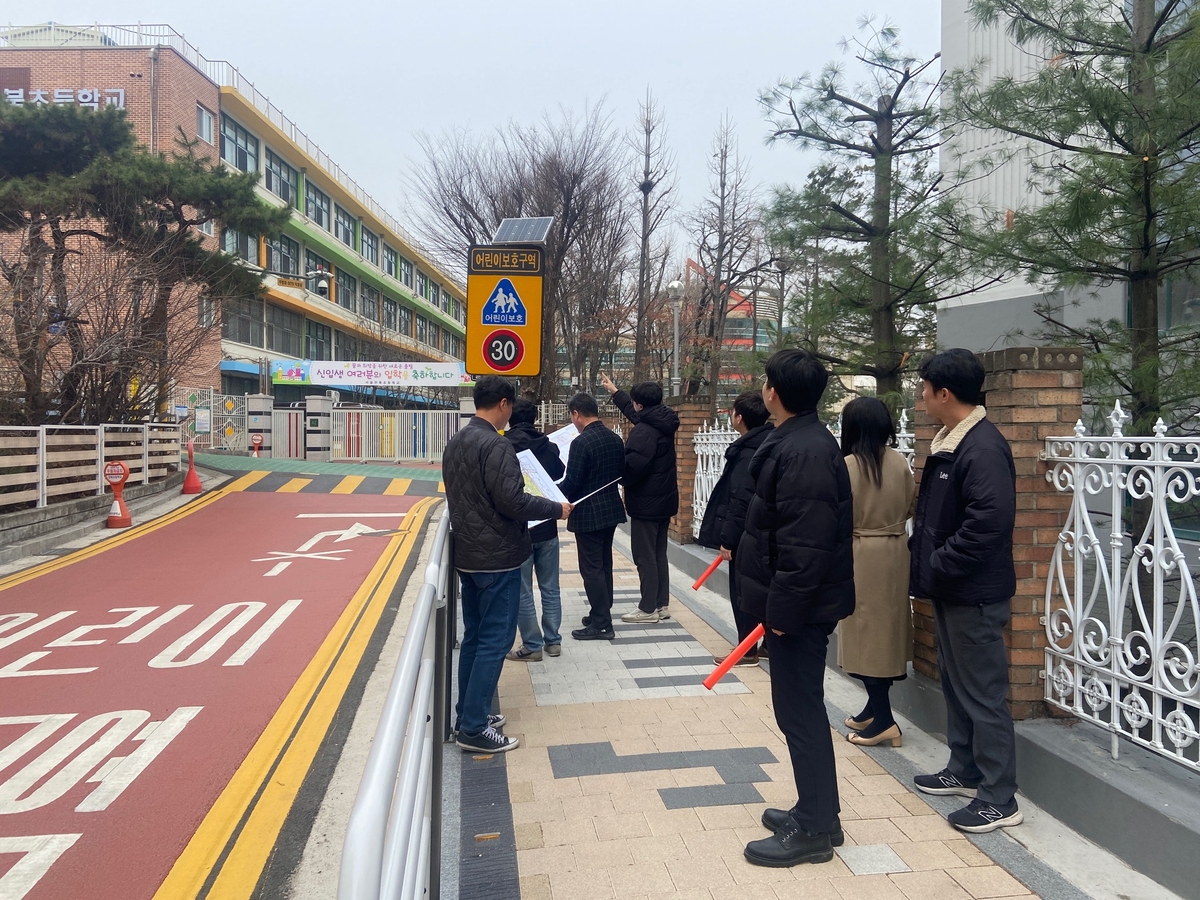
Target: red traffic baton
[[703, 578], [738, 652]]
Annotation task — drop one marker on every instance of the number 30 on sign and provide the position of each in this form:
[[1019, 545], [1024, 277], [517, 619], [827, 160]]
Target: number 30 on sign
[[503, 350]]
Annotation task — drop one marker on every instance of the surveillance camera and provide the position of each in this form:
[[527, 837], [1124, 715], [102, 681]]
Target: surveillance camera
[[323, 285]]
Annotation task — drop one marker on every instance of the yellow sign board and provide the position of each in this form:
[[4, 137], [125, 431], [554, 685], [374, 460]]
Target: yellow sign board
[[504, 310]]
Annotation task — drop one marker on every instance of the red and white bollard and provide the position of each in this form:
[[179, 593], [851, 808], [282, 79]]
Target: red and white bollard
[[191, 483], [256, 440], [116, 473]]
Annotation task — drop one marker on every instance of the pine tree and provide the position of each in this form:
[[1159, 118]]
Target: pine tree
[[1109, 119]]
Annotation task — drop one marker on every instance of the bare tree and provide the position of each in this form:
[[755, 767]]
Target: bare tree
[[726, 226], [656, 184], [557, 168]]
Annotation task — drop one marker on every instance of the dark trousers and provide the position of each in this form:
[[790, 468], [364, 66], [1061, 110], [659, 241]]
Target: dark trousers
[[798, 695], [596, 569], [489, 605], [974, 671], [648, 539], [745, 622]]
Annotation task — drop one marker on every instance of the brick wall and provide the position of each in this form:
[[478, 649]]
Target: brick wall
[[693, 411], [1031, 394]]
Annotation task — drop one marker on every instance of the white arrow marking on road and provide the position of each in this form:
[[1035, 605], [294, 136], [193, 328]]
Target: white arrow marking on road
[[356, 530]]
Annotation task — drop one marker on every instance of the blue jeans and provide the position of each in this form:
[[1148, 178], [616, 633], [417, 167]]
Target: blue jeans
[[545, 559], [489, 609]]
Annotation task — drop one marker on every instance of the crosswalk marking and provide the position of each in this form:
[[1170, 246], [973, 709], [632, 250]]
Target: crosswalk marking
[[294, 486], [441, 487], [397, 487], [348, 484]]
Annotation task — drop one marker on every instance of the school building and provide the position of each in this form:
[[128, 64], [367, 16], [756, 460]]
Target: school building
[[343, 282]]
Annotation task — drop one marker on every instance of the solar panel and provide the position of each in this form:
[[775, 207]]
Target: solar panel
[[523, 231]]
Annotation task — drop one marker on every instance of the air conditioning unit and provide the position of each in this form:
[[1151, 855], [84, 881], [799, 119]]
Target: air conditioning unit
[[335, 396]]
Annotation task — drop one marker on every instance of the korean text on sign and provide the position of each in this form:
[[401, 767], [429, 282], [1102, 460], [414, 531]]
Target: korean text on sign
[[91, 98]]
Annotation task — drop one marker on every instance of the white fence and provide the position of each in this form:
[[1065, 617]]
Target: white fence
[[711, 441], [39, 465], [391, 435], [1121, 608]]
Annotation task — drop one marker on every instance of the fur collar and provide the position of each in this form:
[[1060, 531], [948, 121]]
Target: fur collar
[[947, 441]]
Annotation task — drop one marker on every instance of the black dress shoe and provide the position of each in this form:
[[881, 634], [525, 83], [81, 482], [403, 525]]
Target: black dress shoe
[[592, 633], [789, 847], [775, 819]]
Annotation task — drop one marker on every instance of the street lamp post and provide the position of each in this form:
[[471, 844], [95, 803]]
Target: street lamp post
[[675, 292], [783, 264]]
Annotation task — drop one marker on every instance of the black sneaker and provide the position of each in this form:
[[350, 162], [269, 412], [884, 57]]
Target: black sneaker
[[592, 633], [775, 819], [980, 817], [487, 741], [496, 720], [944, 783], [789, 847]]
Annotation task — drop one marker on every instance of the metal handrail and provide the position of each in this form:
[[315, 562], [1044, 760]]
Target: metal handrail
[[392, 847]]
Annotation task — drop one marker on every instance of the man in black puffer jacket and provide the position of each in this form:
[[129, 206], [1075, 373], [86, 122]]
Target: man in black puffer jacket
[[725, 515], [962, 561], [651, 492], [796, 569], [490, 514], [545, 547]]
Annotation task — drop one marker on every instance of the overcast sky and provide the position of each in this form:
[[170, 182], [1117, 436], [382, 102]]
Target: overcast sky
[[362, 77]]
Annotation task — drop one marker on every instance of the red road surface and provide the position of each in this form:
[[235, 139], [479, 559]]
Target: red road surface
[[62, 735]]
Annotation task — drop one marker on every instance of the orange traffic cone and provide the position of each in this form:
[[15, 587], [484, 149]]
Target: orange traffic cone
[[116, 473], [191, 483]]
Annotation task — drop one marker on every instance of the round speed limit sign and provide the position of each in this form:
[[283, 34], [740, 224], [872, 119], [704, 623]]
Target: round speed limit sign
[[503, 350]]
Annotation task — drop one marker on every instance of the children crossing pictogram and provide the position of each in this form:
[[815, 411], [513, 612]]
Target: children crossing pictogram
[[504, 306]]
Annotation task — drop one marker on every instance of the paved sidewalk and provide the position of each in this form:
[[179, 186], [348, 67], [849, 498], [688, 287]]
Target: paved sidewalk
[[633, 781]]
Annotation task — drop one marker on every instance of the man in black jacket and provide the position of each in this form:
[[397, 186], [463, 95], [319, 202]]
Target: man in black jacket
[[651, 492], [962, 561], [545, 547], [796, 565], [490, 514], [725, 515], [596, 461]]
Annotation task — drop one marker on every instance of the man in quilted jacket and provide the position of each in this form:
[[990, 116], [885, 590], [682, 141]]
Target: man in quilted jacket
[[490, 514], [795, 563]]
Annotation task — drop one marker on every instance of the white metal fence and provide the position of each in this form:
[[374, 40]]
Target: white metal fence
[[391, 435], [39, 465], [711, 442], [1121, 608], [392, 848]]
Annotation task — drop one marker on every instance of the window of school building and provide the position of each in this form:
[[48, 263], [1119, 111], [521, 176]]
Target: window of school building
[[242, 321], [369, 302], [389, 261], [241, 245], [390, 310], [285, 332], [283, 255], [406, 319], [370, 247], [343, 226], [422, 329], [347, 290], [317, 341], [204, 125], [282, 180], [316, 205], [239, 147], [406, 272]]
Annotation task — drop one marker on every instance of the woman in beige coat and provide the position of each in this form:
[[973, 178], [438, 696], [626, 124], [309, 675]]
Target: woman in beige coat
[[875, 644]]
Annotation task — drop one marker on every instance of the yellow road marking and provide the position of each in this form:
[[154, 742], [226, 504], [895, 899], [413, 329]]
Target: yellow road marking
[[295, 486], [246, 480], [348, 484], [283, 754], [398, 487], [441, 487], [123, 537]]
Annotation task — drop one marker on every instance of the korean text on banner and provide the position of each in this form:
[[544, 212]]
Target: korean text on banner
[[538, 481]]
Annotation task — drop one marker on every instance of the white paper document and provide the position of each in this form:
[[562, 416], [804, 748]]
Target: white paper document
[[562, 439], [538, 481]]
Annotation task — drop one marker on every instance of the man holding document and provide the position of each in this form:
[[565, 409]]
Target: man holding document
[[490, 513], [595, 465]]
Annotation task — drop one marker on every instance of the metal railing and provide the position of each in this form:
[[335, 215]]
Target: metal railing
[[392, 849], [1121, 607], [711, 441]]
